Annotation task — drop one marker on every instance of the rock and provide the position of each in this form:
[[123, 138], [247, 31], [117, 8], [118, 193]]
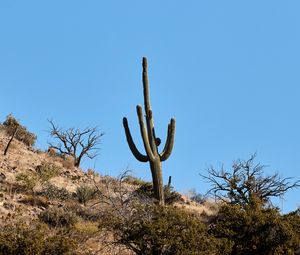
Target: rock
[[2, 177]]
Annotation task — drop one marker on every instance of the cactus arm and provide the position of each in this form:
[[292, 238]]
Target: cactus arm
[[148, 110], [131, 144], [164, 155], [146, 87], [144, 133]]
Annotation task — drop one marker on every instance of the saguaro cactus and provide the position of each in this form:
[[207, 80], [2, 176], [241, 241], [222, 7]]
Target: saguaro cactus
[[151, 142]]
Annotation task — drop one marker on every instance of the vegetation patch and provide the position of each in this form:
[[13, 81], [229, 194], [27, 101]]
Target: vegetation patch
[[53, 192], [22, 239], [58, 217], [11, 124], [85, 193]]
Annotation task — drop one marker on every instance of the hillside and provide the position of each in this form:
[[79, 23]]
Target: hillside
[[42, 195]]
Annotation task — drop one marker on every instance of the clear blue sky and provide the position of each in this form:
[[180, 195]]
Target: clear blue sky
[[228, 71]]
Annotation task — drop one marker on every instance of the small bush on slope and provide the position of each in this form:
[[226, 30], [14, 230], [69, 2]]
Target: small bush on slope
[[257, 230], [47, 170], [23, 135], [53, 192], [171, 196], [22, 239], [58, 217], [85, 193], [151, 229]]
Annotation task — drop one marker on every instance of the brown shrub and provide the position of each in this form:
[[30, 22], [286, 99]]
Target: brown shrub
[[51, 151], [22, 239], [23, 135], [35, 201]]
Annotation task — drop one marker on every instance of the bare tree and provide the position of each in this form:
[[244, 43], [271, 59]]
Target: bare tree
[[246, 184], [75, 142]]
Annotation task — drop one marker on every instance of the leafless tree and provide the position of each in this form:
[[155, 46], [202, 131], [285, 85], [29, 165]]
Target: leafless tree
[[75, 142], [246, 184]]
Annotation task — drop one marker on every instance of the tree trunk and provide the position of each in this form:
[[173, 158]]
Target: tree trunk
[[157, 180], [10, 140], [77, 161]]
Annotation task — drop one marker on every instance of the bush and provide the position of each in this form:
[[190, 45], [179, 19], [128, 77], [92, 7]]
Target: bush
[[85, 213], [29, 181], [67, 161], [43, 174], [171, 196], [22, 239], [22, 134], [53, 192], [135, 180], [196, 197], [47, 170], [84, 230], [58, 217], [293, 219], [256, 231], [85, 193], [150, 229], [92, 172], [35, 201]]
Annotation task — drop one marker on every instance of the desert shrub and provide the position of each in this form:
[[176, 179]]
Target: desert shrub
[[47, 170], [293, 220], [28, 180], [22, 239], [53, 192], [83, 230], [43, 174], [196, 197], [171, 196], [58, 217], [246, 184], [92, 172], [59, 244], [85, 213], [135, 180], [67, 161], [151, 229], [85, 193], [255, 230], [23, 135], [34, 201]]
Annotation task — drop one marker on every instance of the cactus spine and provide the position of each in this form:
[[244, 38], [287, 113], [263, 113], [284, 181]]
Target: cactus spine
[[150, 141]]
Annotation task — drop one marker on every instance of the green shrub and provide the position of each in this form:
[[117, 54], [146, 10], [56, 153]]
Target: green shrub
[[256, 230], [53, 192], [171, 196], [47, 170], [150, 229], [23, 135], [22, 239], [293, 220], [59, 244], [43, 174], [85, 193], [58, 217], [28, 180]]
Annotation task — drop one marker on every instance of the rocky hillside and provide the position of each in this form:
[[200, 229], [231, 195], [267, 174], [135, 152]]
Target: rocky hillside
[[42, 195]]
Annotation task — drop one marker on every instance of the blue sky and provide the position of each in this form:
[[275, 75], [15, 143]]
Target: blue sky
[[228, 71]]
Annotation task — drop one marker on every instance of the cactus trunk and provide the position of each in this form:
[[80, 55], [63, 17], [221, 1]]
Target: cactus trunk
[[151, 142], [157, 180]]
